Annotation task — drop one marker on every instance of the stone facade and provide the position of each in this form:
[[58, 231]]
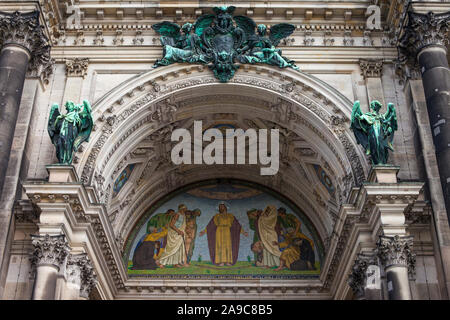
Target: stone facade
[[385, 230]]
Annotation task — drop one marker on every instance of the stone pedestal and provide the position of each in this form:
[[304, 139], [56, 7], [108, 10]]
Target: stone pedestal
[[383, 174], [58, 173]]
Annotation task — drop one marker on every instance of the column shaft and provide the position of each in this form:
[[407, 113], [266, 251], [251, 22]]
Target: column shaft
[[45, 283], [13, 67], [398, 283], [436, 83]]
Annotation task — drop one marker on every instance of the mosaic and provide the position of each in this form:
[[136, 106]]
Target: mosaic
[[227, 228]]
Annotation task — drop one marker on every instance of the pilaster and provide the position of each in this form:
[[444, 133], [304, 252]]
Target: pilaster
[[68, 207], [76, 71], [372, 70]]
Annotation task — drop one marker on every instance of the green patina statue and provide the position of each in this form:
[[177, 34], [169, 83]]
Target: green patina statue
[[69, 131], [220, 40], [375, 131]]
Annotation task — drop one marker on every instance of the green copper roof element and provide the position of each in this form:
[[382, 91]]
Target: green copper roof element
[[222, 41], [68, 131], [374, 130]]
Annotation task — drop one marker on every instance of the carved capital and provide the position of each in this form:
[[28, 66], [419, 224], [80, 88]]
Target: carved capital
[[371, 68], [424, 30], [358, 277], [73, 267], [77, 67], [24, 29], [49, 250], [87, 276], [396, 251]]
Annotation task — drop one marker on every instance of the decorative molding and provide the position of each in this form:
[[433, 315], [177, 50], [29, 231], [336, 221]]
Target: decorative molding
[[77, 67], [396, 251], [49, 250], [24, 29], [371, 68]]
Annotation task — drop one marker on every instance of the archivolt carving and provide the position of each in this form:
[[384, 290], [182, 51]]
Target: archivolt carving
[[308, 109]]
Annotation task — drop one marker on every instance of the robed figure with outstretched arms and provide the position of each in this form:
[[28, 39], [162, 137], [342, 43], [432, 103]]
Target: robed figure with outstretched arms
[[223, 233]]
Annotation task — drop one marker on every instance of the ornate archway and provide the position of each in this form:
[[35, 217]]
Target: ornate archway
[[134, 122]]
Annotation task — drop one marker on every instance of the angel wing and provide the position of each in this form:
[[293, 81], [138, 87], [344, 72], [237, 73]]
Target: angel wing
[[358, 127], [390, 118], [86, 125], [169, 30], [54, 126], [246, 24], [202, 23], [280, 31]]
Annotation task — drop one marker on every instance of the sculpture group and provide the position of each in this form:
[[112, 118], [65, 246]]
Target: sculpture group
[[221, 40]]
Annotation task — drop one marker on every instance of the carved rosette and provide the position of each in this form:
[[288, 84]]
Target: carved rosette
[[357, 278], [77, 67], [49, 250], [371, 68], [87, 276], [397, 251], [24, 29]]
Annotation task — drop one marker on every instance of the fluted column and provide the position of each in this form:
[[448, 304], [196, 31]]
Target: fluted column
[[24, 46], [395, 253], [424, 42], [50, 253]]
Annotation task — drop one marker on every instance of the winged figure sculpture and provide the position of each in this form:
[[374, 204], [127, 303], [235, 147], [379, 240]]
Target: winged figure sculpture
[[220, 40], [374, 130], [68, 131]]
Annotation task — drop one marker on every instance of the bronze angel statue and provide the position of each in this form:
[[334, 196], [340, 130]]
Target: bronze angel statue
[[179, 44], [68, 131], [374, 130], [261, 45]]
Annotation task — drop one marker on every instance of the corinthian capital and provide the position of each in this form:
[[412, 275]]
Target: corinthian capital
[[396, 251], [77, 67], [87, 276], [24, 29], [49, 250], [424, 30], [358, 277], [371, 68]]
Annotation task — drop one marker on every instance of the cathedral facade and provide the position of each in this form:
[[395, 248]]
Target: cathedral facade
[[94, 206]]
